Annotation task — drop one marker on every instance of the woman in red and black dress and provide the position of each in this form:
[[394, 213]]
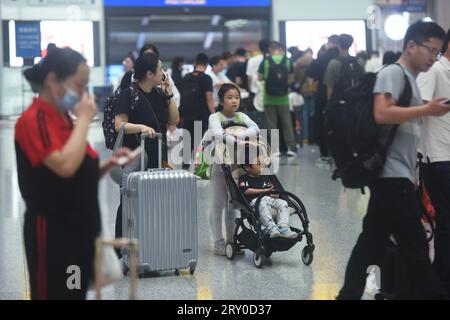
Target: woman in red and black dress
[[58, 177]]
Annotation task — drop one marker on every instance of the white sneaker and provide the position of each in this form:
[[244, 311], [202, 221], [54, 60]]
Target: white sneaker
[[286, 232], [274, 233], [291, 153], [219, 248]]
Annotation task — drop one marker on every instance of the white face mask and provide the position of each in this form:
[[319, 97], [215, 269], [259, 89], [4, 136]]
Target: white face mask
[[68, 101]]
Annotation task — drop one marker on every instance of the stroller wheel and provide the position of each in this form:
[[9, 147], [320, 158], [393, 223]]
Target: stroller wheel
[[307, 255], [230, 250], [259, 258]]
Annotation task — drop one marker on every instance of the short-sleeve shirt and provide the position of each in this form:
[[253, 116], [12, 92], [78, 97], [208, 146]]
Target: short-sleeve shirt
[[402, 155], [276, 100], [247, 182], [252, 70], [435, 136], [205, 84], [238, 69], [145, 113], [40, 131], [160, 106]]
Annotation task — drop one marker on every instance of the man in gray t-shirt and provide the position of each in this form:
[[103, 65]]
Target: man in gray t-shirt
[[393, 206], [401, 158]]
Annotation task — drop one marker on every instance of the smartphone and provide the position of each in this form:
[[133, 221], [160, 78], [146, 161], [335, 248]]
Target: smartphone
[[447, 102], [165, 76], [126, 159]]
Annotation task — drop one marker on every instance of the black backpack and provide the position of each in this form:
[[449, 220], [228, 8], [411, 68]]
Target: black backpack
[[350, 74], [355, 141], [108, 125], [277, 76], [192, 102]]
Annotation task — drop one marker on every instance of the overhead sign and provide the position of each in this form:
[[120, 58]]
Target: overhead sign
[[187, 3], [413, 6], [28, 39]]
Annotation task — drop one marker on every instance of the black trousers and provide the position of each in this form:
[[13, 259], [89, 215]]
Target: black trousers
[[319, 127], [119, 230], [437, 181], [60, 258], [393, 210]]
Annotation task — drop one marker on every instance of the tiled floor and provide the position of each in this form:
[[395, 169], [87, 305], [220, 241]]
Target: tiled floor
[[335, 215]]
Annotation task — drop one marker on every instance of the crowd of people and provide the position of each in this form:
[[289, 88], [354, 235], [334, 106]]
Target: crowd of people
[[59, 172]]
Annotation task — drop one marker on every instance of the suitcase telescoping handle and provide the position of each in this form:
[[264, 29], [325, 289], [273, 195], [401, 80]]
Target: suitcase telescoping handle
[[145, 136]]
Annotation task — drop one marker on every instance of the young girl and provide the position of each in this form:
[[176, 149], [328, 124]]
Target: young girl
[[230, 99]]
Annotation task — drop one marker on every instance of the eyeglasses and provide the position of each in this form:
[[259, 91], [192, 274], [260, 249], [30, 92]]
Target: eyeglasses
[[431, 50]]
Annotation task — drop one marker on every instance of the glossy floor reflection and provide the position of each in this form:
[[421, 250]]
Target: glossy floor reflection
[[335, 216]]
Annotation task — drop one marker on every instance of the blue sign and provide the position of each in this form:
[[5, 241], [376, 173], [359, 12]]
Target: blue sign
[[187, 3], [28, 39], [412, 6], [415, 5]]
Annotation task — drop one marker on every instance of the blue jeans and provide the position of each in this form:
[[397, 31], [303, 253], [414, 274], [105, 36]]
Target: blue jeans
[[307, 113], [437, 181]]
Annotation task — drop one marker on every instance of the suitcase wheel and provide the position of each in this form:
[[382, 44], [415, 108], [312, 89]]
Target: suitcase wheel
[[192, 267]]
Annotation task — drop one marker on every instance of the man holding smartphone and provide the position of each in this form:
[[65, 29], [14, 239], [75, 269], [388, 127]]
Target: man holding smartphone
[[393, 205], [435, 148]]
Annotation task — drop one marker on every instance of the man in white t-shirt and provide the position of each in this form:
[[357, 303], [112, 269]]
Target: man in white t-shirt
[[435, 148], [218, 65], [255, 86]]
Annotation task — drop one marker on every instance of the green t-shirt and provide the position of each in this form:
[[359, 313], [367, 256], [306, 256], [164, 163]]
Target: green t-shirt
[[275, 100]]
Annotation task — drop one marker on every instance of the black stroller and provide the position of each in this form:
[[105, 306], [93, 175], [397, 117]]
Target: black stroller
[[250, 236]]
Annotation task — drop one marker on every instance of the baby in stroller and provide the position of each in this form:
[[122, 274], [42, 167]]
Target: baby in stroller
[[253, 184], [255, 191]]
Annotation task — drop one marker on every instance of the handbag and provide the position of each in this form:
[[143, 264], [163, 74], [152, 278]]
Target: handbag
[[116, 172], [119, 174], [202, 168]]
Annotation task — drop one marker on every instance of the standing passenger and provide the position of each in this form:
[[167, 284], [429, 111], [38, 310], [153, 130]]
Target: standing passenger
[[58, 177], [393, 206], [230, 99], [435, 148]]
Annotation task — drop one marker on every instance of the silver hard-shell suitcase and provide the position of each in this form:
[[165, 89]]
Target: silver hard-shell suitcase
[[160, 210]]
